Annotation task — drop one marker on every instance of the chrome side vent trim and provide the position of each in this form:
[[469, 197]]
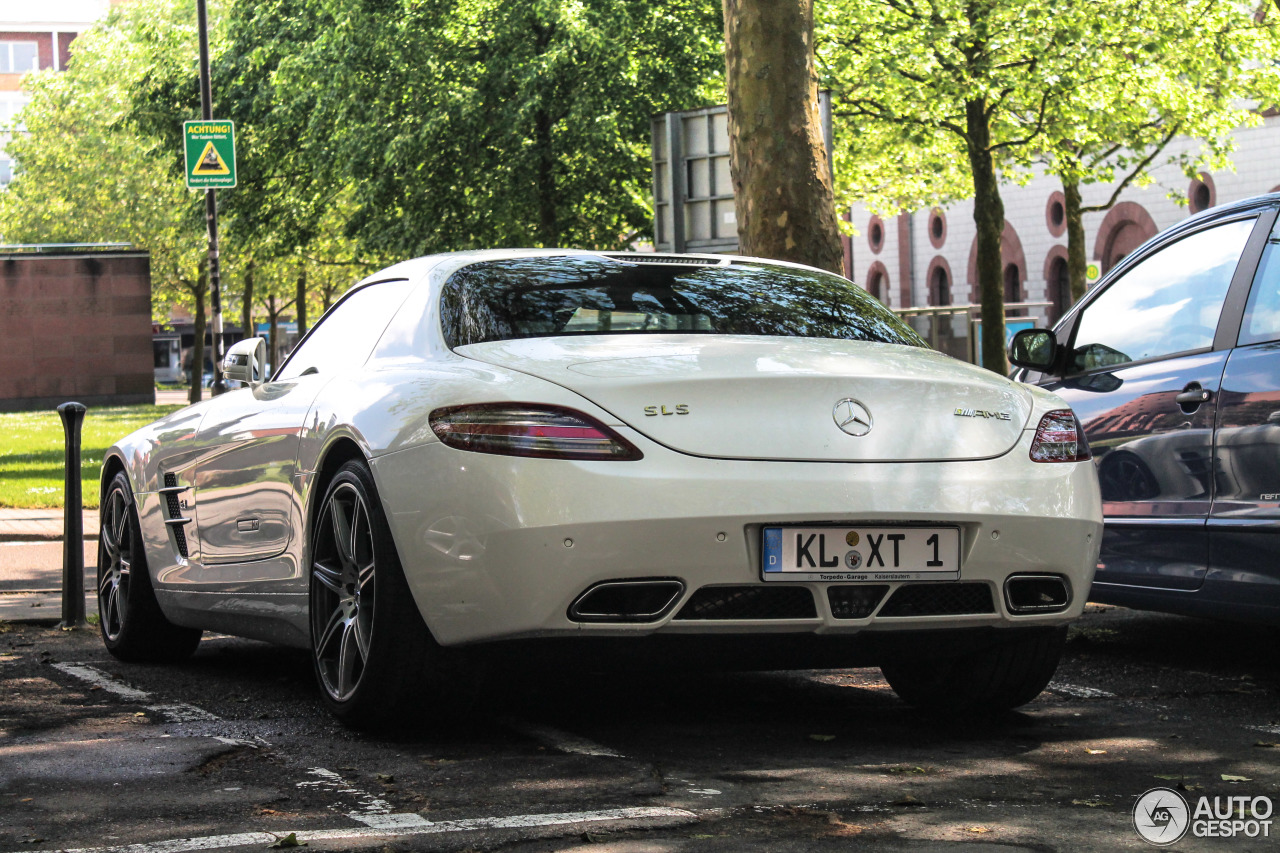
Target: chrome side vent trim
[[175, 520]]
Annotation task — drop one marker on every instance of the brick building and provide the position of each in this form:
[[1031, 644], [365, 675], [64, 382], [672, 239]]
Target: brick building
[[35, 36], [928, 257], [75, 326]]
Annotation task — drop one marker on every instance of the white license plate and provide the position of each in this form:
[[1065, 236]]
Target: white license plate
[[860, 553]]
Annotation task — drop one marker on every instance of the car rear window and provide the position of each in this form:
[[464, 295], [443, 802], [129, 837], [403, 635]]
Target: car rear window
[[590, 295]]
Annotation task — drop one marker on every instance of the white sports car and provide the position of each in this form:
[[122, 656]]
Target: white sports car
[[709, 453]]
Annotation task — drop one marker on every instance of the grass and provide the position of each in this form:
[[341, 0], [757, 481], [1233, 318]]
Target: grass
[[31, 451]]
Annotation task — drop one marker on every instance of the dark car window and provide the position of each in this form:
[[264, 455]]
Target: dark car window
[[344, 337], [1168, 303], [1262, 313], [587, 295]]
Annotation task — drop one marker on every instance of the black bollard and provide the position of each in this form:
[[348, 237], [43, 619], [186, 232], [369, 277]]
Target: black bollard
[[72, 415]]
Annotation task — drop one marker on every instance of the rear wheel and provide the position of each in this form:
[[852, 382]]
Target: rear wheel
[[129, 618], [994, 679], [370, 646]]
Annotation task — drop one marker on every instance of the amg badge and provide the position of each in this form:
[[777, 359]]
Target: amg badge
[[980, 413]]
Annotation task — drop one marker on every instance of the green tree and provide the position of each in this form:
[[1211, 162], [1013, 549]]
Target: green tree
[[1172, 70], [458, 124], [945, 98], [968, 83]]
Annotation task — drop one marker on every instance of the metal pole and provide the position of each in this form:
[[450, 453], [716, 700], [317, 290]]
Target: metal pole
[[72, 415], [210, 209]]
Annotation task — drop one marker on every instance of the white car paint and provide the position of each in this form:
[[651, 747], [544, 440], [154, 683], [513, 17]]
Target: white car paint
[[497, 547]]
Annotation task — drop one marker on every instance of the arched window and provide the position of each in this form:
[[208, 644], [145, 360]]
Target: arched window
[[1012, 289], [876, 286], [939, 288], [1059, 287]]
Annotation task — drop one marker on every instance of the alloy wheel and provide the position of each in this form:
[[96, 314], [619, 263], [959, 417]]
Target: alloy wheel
[[115, 564], [343, 585]]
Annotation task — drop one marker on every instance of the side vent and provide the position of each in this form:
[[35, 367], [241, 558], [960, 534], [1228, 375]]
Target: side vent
[[174, 519]]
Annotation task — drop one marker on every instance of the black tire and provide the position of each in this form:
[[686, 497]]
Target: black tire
[[132, 625], [992, 680], [371, 651]]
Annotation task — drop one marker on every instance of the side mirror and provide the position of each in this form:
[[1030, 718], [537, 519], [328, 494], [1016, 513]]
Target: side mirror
[[1034, 349], [246, 361]]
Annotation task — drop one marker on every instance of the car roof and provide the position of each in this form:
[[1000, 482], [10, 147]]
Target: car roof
[[419, 270]]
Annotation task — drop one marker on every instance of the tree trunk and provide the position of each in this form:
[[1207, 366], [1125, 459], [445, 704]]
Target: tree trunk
[[548, 226], [246, 307], [781, 179], [273, 317], [988, 216], [197, 345], [1076, 260], [301, 299]]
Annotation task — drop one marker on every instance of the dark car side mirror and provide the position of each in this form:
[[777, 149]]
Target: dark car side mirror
[[1034, 349]]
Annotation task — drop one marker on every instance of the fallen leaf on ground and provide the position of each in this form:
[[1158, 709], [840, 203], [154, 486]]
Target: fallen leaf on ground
[[1092, 751], [907, 800], [1226, 777], [290, 840], [1266, 744], [1093, 804], [977, 829]]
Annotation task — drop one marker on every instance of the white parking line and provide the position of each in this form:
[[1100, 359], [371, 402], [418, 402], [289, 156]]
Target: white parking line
[[650, 816], [370, 810], [1077, 691], [556, 739], [373, 811]]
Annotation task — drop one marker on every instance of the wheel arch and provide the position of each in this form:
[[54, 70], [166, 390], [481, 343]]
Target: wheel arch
[[340, 451], [112, 464]]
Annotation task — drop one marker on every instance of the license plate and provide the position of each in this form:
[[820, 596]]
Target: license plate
[[860, 553]]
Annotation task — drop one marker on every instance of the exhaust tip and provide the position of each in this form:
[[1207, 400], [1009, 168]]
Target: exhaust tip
[[1037, 593], [640, 600]]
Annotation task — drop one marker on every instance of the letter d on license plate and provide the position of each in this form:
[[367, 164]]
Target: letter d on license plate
[[860, 553]]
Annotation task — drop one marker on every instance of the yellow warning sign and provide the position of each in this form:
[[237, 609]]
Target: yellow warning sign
[[209, 153], [210, 162]]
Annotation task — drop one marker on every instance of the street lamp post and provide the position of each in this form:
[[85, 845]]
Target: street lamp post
[[211, 208]]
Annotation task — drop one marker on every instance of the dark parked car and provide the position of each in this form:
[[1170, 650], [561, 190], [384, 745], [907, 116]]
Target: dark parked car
[[1172, 363]]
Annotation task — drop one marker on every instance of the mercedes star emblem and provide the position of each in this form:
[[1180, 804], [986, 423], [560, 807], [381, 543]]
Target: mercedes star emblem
[[852, 417]]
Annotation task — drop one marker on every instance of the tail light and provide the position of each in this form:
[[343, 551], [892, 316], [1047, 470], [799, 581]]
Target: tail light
[[1060, 438], [527, 429]]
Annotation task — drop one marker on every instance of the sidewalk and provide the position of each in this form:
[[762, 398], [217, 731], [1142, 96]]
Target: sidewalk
[[31, 564], [41, 525]]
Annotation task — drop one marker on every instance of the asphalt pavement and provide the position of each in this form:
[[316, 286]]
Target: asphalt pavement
[[233, 750]]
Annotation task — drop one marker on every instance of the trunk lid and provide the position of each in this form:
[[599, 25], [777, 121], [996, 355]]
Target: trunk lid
[[775, 398]]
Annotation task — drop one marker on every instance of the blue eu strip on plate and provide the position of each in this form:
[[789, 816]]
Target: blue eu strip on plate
[[773, 549]]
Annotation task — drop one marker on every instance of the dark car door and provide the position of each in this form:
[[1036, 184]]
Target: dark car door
[[1244, 525], [1145, 369]]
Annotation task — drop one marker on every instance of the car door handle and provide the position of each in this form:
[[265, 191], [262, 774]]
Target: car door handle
[[1193, 397]]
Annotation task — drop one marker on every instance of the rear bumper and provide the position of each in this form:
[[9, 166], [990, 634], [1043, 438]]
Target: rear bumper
[[499, 548]]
